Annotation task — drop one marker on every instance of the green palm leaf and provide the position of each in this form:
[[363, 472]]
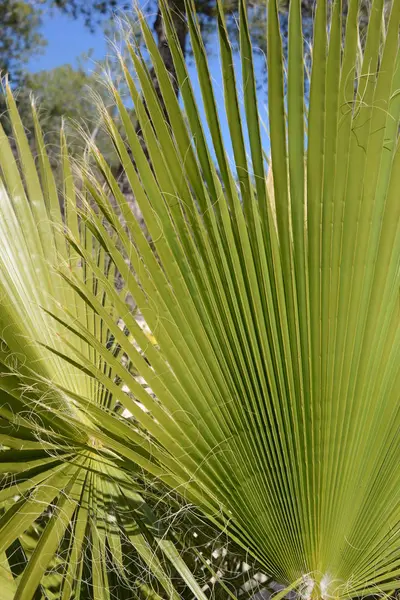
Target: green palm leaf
[[275, 309]]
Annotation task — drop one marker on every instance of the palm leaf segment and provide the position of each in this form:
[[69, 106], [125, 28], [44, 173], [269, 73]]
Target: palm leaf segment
[[275, 308]]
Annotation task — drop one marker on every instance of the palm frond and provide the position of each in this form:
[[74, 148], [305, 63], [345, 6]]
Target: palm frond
[[74, 521], [276, 363]]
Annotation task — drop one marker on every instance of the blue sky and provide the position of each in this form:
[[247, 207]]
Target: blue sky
[[67, 39]]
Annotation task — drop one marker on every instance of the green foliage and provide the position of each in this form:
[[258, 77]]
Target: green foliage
[[19, 34], [263, 393]]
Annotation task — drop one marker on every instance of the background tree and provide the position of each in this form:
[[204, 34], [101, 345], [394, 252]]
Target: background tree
[[19, 35], [21, 21], [21, 38]]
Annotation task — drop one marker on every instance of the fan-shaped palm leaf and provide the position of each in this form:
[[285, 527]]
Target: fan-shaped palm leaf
[[276, 368]]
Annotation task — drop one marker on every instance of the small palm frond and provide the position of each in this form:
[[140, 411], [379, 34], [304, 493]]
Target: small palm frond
[[73, 517]]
